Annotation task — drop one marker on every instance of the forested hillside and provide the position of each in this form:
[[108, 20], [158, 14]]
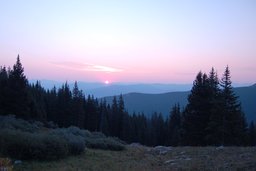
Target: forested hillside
[[150, 103], [213, 115]]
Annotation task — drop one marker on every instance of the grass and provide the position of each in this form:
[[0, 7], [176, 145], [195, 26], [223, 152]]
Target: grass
[[141, 158]]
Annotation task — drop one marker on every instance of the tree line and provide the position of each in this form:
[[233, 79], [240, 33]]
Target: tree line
[[213, 115]]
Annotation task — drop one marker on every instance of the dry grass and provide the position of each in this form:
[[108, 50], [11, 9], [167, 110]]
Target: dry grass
[[141, 158]]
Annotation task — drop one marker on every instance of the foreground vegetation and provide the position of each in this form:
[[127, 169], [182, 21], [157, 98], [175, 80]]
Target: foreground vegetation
[[140, 158], [20, 139]]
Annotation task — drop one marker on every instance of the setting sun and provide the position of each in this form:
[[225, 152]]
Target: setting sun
[[106, 82]]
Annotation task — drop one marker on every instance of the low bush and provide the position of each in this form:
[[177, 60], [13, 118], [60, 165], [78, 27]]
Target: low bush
[[10, 122], [98, 135], [78, 139], [104, 143], [22, 139], [76, 143], [77, 131], [24, 145]]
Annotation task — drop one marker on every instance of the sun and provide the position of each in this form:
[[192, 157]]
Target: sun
[[106, 82]]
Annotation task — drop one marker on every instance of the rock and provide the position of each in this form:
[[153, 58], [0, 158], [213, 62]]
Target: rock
[[245, 156], [17, 162], [183, 152], [160, 150], [135, 145], [170, 161], [220, 147]]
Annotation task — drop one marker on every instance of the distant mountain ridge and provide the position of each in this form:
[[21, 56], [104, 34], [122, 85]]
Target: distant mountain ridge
[[100, 90], [149, 98], [149, 103]]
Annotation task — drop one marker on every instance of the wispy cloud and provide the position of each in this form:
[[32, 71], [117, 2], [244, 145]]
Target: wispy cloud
[[86, 67]]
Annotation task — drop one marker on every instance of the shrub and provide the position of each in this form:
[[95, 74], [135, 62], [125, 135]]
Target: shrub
[[98, 135], [76, 143], [51, 125], [24, 145], [79, 139], [77, 131], [104, 143], [24, 140], [10, 122]]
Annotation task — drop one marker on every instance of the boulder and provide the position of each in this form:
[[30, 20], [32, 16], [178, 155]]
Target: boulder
[[160, 150]]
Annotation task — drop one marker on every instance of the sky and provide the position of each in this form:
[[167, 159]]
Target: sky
[[140, 41]]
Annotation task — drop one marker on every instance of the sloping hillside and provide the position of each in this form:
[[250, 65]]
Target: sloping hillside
[[247, 96], [149, 103]]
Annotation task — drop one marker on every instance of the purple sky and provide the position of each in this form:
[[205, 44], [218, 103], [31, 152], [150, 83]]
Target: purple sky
[[129, 41]]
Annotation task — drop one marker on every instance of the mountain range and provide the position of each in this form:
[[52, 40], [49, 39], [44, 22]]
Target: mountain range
[[100, 90], [150, 103], [150, 98]]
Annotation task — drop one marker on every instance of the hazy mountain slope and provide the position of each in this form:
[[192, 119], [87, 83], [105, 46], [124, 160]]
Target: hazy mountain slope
[[149, 103], [247, 96], [49, 84], [116, 89], [149, 98], [100, 90]]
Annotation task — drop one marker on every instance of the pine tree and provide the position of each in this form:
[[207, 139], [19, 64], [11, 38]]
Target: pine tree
[[233, 120], [51, 105], [18, 99], [214, 127], [252, 134], [196, 114], [157, 130], [37, 104], [64, 99], [114, 117], [104, 117], [174, 126], [92, 114], [78, 113], [121, 117], [4, 90]]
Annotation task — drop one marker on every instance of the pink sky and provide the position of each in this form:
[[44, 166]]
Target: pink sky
[[146, 41]]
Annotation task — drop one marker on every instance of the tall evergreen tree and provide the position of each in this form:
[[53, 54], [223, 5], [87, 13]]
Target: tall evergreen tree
[[92, 114], [157, 130], [51, 105], [104, 118], [139, 130], [37, 104], [120, 117], [174, 126], [214, 127], [78, 112], [252, 134], [197, 114], [18, 100], [64, 101], [234, 123], [114, 117], [4, 90]]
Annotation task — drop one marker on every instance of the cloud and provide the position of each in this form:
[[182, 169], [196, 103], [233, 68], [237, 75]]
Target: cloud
[[101, 68], [87, 67]]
